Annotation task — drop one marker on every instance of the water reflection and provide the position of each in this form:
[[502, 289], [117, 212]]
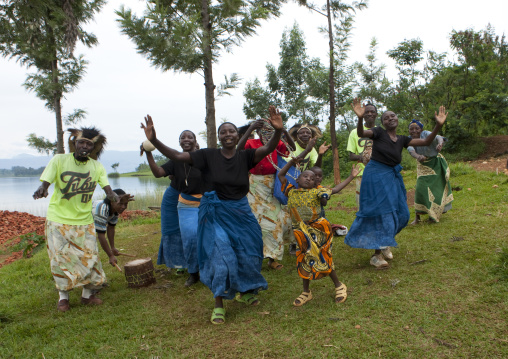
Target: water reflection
[[16, 192]]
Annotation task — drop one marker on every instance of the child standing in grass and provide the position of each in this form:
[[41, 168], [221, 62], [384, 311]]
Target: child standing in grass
[[312, 231]]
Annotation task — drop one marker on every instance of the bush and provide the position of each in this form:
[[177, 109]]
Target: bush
[[460, 168], [113, 175]]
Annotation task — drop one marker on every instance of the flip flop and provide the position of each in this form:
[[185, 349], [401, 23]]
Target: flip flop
[[218, 313], [247, 298]]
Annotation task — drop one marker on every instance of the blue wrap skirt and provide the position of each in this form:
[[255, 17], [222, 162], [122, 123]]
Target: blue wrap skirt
[[383, 208], [188, 208], [230, 247], [171, 248]]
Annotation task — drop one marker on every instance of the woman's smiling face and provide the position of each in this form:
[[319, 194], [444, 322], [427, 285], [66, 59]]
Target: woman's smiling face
[[228, 136], [390, 120], [187, 141]]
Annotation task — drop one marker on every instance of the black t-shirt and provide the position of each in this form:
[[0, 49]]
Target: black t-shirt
[[386, 151], [229, 177], [182, 171]]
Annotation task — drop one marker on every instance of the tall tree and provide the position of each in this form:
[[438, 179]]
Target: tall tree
[[42, 34], [407, 98], [291, 85], [332, 10], [189, 35], [373, 83]]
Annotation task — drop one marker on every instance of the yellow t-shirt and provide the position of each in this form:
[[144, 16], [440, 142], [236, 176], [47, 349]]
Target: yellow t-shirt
[[354, 147], [75, 184]]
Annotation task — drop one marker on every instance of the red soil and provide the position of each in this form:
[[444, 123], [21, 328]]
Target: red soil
[[15, 224]]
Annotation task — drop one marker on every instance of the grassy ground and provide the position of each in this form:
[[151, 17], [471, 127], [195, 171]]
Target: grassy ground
[[441, 297]]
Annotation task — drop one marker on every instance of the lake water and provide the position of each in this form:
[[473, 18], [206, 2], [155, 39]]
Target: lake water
[[16, 192]]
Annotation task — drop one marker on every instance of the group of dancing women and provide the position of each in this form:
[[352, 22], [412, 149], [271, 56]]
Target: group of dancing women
[[220, 217]]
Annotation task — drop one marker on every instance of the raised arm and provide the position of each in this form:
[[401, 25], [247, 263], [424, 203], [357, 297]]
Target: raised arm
[[256, 125], [289, 139], [354, 172], [276, 121], [322, 150], [156, 170], [440, 120], [165, 150], [360, 111]]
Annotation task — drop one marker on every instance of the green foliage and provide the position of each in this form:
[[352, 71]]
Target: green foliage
[[373, 84], [170, 32], [143, 167], [229, 83], [42, 35], [113, 175], [292, 86], [41, 144], [115, 165], [30, 243], [189, 36]]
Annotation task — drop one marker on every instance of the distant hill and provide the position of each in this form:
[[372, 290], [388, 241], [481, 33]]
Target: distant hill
[[128, 160]]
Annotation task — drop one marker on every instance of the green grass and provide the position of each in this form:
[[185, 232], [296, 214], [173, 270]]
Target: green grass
[[445, 295]]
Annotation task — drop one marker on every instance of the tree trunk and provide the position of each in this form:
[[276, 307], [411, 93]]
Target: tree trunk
[[57, 98], [211, 136], [335, 151]]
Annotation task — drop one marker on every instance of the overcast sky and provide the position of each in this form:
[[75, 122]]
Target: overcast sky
[[121, 86]]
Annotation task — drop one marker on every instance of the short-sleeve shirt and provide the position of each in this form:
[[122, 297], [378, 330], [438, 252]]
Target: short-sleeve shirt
[[354, 146], [229, 177], [102, 216], [265, 167], [310, 160], [75, 183], [427, 151], [186, 178], [386, 151], [304, 204]]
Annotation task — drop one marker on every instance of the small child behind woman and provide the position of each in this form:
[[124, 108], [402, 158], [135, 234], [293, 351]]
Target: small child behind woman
[[312, 231]]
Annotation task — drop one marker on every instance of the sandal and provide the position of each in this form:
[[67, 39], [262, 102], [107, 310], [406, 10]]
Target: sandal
[[302, 299], [218, 313], [274, 265], [180, 271], [247, 298], [341, 292]]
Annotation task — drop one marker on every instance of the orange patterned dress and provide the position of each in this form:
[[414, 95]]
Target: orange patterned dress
[[313, 233]]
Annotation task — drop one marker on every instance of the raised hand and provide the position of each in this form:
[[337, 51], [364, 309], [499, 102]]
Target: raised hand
[[257, 125], [149, 128], [441, 116], [355, 170], [310, 145], [323, 148], [358, 107], [275, 118]]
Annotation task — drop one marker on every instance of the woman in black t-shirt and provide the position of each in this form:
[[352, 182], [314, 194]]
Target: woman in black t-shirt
[[230, 245], [383, 203], [179, 211]]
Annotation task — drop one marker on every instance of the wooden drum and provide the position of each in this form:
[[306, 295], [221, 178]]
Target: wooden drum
[[139, 273]]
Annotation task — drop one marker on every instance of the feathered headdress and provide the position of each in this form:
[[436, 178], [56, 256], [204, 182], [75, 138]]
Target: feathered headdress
[[91, 134]]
